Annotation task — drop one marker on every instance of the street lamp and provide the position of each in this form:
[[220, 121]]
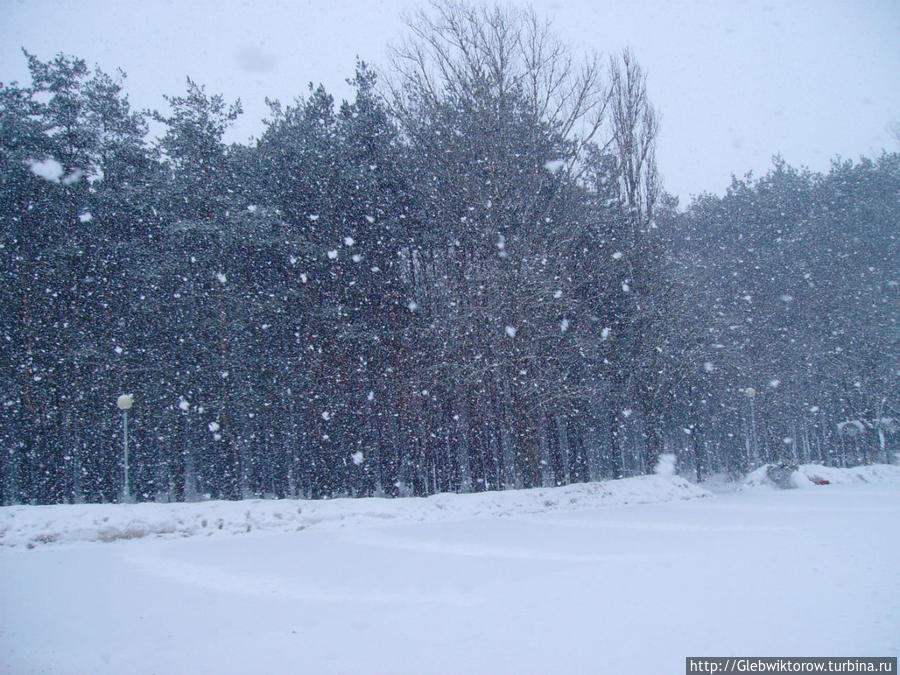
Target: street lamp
[[124, 402]]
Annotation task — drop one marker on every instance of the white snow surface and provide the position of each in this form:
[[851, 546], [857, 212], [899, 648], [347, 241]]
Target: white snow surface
[[809, 475], [31, 526], [626, 576]]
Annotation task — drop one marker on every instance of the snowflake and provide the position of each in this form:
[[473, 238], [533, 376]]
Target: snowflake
[[48, 169], [554, 165]]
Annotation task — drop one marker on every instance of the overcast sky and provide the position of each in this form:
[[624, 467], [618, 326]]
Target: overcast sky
[[736, 81]]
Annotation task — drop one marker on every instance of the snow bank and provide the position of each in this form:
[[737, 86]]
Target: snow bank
[[665, 466], [815, 475], [31, 526]]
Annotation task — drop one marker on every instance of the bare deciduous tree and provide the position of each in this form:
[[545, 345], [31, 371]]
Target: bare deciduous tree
[[464, 51], [634, 125]]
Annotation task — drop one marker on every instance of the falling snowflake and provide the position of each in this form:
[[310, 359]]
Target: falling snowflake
[[511, 331], [564, 325], [326, 415], [554, 165], [48, 169], [221, 277], [332, 254], [73, 177], [214, 426], [313, 217], [617, 255], [357, 457], [349, 241], [412, 306]]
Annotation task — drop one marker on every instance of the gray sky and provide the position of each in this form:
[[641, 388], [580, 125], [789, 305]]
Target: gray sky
[[736, 81]]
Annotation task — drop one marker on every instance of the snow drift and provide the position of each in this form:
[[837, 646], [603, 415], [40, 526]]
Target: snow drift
[[816, 475], [69, 523]]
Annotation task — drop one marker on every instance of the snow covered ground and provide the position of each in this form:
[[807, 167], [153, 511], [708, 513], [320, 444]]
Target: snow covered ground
[[629, 576], [32, 526]]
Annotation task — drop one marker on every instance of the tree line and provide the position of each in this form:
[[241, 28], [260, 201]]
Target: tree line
[[467, 278]]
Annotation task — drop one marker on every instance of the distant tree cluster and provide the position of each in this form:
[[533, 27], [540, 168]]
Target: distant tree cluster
[[791, 289], [467, 278]]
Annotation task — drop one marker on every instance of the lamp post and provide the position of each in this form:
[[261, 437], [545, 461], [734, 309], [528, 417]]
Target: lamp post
[[124, 402], [750, 393]]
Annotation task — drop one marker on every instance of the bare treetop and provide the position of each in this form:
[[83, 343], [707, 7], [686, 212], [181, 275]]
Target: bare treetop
[[461, 51]]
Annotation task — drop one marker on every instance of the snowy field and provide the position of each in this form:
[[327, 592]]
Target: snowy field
[[622, 577]]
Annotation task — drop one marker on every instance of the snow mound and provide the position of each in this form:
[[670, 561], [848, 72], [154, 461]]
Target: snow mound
[[815, 475], [665, 466], [31, 526]]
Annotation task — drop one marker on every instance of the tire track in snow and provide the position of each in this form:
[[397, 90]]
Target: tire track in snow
[[654, 526], [152, 561], [500, 552]]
